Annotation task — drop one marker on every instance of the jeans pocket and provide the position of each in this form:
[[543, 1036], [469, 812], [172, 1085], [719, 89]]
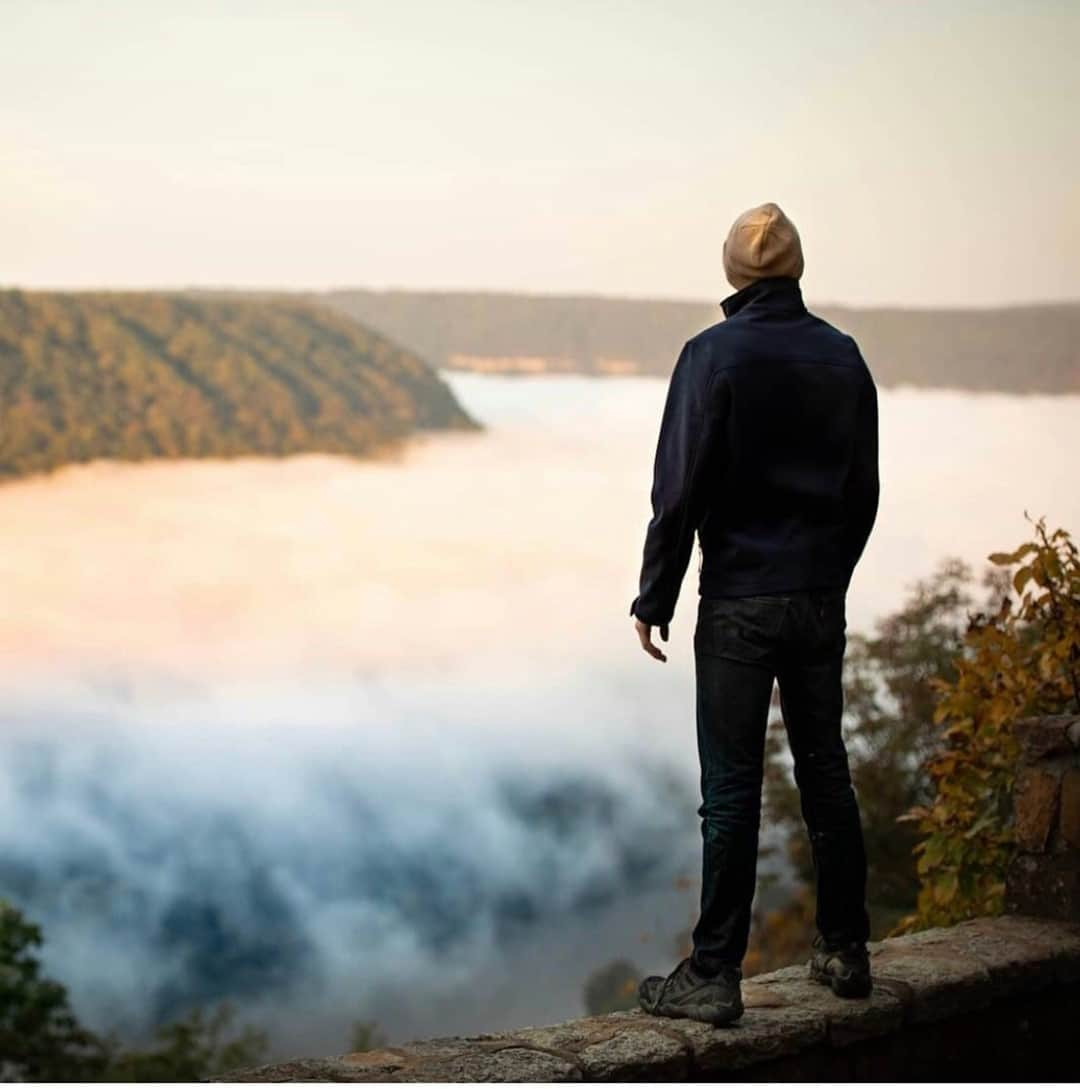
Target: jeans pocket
[[744, 628]]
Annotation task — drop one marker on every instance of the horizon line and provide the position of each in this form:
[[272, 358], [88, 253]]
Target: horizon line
[[549, 295]]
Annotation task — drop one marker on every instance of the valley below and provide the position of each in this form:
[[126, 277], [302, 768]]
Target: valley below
[[342, 739]]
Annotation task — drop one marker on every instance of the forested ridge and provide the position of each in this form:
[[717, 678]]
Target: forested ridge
[[1015, 349], [134, 375]]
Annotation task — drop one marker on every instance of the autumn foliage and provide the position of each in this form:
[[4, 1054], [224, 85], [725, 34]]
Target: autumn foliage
[[1021, 660]]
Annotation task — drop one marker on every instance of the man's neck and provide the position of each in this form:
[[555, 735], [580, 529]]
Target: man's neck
[[778, 293]]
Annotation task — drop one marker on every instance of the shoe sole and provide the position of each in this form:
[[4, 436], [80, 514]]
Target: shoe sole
[[712, 1015], [843, 988]]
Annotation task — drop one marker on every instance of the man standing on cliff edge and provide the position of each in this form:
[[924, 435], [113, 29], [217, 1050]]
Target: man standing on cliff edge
[[768, 450]]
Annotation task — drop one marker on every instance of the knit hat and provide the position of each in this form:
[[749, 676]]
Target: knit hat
[[762, 242]]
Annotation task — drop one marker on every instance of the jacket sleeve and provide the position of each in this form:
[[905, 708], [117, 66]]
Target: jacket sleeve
[[863, 485], [689, 433]]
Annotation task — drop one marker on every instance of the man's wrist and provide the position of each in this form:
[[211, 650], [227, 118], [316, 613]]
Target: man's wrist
[[648, 618]]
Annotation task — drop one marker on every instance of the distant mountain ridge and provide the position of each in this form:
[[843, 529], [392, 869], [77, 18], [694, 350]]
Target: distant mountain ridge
[[1015, 349], [133, 375]]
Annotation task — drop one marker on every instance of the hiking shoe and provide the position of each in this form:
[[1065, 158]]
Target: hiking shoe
[[715, 999], [845, 969]]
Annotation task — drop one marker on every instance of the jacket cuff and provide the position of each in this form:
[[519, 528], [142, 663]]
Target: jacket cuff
[[645, 615]]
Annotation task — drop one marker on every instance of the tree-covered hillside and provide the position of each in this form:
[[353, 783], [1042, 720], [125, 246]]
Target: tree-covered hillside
[[1016, 349], [139, 375]]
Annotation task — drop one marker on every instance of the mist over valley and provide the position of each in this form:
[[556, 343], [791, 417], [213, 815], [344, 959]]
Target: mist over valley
[[341, 739]]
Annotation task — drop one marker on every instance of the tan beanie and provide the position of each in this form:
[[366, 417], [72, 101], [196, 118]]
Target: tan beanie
[[762, 242]]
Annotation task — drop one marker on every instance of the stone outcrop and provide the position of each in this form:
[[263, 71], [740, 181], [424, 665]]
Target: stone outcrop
[[988, 999], [1044, 875], [935, 978]]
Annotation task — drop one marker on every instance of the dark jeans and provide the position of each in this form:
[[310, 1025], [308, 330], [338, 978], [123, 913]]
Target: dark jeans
[[740, 646]]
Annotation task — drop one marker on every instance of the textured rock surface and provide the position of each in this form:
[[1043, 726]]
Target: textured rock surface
[[1035, 881], [1035, 806], [985, 968], [1043, 877], [1047, 735], [1070, 809]]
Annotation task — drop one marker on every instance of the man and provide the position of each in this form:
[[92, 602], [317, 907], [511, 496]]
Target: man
[[768, 449]]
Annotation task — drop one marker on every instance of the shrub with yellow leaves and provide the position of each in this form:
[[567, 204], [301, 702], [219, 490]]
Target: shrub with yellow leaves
[[1022, 660]]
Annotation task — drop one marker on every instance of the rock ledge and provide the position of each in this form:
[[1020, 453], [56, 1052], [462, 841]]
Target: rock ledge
[[935, 977]]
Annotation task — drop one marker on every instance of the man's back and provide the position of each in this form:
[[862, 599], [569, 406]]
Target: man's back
[[768, 449], [789, 504]]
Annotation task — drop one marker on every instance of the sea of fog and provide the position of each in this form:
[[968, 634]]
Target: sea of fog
[[340, 740]]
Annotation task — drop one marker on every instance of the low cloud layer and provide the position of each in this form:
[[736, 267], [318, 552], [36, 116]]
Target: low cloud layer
[[344, 740], [295, 848]]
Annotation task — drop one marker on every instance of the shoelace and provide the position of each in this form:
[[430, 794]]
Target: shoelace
[[677, 971], [685, 967]]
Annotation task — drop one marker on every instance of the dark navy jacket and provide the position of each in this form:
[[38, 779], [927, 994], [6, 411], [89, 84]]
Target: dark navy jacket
[[768, 449]]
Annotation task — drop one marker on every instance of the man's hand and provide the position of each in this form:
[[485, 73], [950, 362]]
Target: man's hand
[[644, 632]]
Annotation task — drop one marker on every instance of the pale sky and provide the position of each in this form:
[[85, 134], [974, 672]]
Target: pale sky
[[928, 152]]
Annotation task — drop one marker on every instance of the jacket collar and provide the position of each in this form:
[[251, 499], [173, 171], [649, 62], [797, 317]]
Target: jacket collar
[[774, 293]]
